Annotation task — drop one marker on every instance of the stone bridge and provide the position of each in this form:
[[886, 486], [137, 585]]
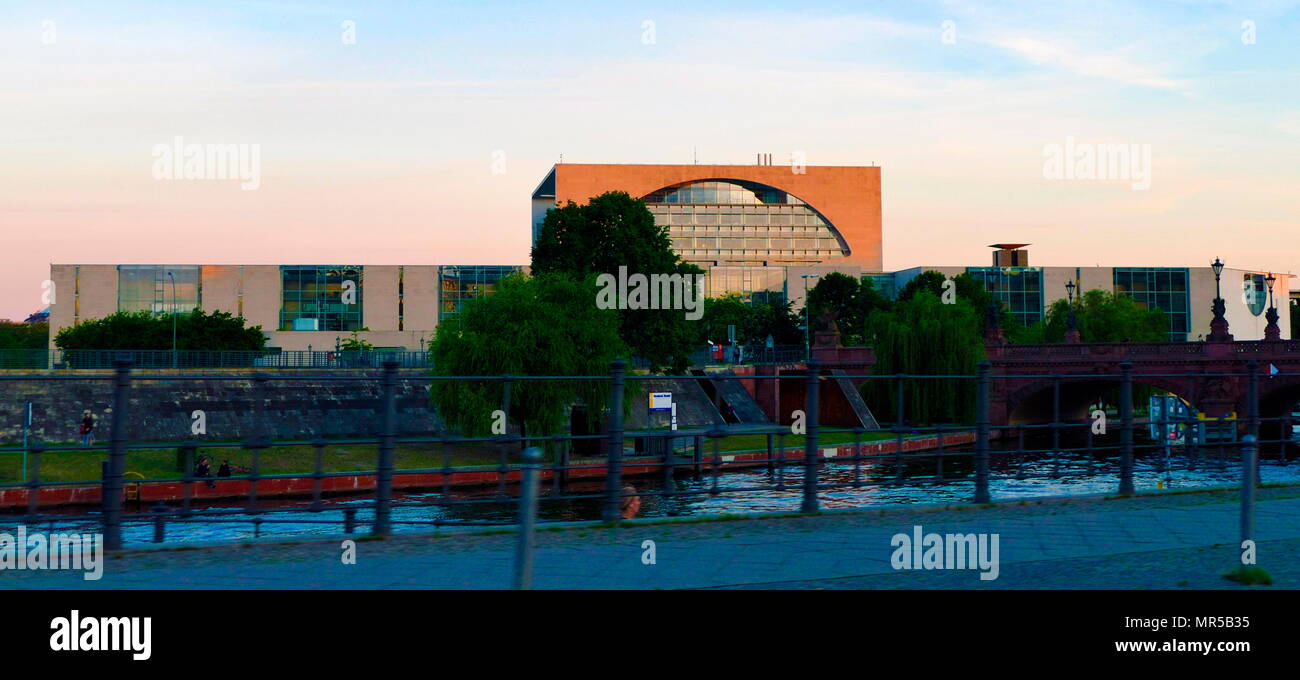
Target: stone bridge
[[1212, 376]]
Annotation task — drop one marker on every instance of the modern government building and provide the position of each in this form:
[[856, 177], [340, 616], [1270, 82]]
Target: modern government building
[[760, 231]]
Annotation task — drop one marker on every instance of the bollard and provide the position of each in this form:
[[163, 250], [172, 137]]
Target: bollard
[[1126, 429], [158, 527], [116, 464], [982, 433], [613, 510], [1249, 454], [810, 452], [388, 433], [34, 485], [349, 520], [523, 578]]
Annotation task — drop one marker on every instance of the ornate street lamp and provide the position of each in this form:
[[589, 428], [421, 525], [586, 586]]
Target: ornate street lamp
[[1272, 331], [174, 305], [1218, 325], [1071, 333]]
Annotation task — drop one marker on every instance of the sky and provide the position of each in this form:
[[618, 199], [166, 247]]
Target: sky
[[415, 132]]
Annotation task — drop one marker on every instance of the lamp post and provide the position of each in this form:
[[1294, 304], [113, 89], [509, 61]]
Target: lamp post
[[173, 280], [1071, 333], [1218, 325], [807, 318], [1272, 331]]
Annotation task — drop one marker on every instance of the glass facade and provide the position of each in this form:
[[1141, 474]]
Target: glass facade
[[1160, 288], [724, 280], [321, 298], [883, 283], [148, 288], [457, 284], [739, 222], [1020, 288]]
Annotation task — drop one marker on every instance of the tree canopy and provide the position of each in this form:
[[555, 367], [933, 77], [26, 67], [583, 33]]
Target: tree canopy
[[146, 330], [24, 335], [850, 299], [613, 231], [754, 322], [923, 336], [1102, 316], [544, 325]]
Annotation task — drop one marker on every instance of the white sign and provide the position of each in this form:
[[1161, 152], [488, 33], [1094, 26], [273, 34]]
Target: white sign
[[661, 401]]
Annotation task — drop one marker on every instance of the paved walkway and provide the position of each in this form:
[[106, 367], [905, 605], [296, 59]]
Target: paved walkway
[[1157, 541]]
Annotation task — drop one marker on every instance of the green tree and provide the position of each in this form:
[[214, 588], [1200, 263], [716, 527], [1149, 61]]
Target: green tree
[[24, 335], [355, 342], [1102, 316], [610, 231], [146, 330], [778, 320], [719, 313], [924, 336], [841, 295], [545, 325]]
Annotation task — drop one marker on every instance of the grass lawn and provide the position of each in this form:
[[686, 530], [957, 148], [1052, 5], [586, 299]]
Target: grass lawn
[[73, 466]]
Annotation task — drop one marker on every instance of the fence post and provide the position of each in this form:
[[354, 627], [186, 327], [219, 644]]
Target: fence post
[[1249, 454], [1252, 408], [527, 519], [810, 451], [1126, 429], [614, 464], [388, 432], [116, 468], [982, 433]]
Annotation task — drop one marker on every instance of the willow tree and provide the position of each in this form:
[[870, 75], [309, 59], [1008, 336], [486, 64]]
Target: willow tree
[[548, 325], [924, 336]]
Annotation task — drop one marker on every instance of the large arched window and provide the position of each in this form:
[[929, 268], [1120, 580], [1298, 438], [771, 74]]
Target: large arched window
[[736, 221]]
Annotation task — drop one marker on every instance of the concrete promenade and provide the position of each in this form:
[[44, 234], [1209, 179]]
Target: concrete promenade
[[1183, 540]]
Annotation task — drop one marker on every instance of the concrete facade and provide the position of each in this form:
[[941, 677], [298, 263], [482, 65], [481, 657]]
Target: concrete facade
[[847, 196], [1243, 323], [400, 303]]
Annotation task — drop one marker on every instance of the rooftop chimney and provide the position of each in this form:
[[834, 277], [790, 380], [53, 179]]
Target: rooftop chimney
[[1010, 255]]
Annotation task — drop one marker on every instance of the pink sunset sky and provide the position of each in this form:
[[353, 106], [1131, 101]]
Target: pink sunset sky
[[385, 150]]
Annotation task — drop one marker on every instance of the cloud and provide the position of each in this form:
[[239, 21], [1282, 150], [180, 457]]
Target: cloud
[[1105, 64]]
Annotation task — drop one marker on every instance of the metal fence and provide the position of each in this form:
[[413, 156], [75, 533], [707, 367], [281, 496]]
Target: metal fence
[[600, 479], [102, 359]]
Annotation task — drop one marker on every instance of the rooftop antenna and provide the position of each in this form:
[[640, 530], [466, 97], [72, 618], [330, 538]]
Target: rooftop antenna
[[695, 157], [561, 159]]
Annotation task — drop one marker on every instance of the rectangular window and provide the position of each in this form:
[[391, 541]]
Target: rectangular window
[[323, 298], [1020, 288], [159, 288], [458, 285], [1158, 288]]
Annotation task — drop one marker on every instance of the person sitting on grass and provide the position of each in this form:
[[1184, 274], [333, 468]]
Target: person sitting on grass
[[203, 469]]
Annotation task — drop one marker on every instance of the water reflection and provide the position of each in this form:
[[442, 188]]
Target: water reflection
[[880, 482]]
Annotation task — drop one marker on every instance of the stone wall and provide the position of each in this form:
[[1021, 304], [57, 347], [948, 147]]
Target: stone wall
[[235, 409]]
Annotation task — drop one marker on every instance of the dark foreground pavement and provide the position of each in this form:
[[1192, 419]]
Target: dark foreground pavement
[[1172, 541]]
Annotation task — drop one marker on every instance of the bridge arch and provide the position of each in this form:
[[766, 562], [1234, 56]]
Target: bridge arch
[[1031, 401]]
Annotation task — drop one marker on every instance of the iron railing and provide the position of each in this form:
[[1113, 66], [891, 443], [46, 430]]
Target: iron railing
[[102, 359], [974, 455]]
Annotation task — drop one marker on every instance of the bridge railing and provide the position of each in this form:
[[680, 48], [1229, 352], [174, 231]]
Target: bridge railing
[[151, 490], [1101, 349]]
